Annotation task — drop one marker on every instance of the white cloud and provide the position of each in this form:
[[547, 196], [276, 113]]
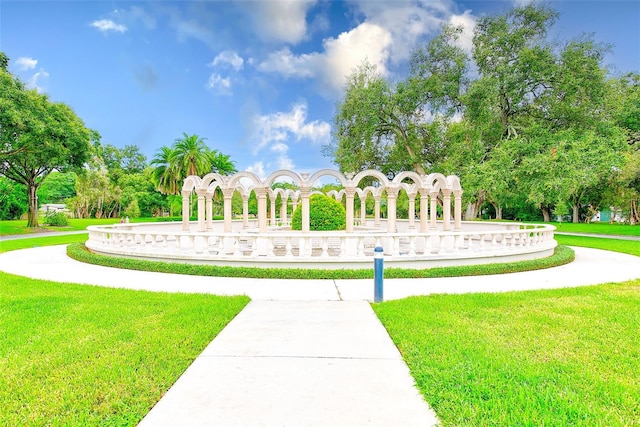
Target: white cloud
[[258, 169], [468, 22], [280, 21], [340, 57], [25, 63], [35, 82], [135, 14], [218, 84], [106, 25], [228, 58], [276, 129], [284, 62]]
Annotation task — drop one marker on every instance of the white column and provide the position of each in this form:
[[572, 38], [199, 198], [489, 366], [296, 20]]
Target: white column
[[376, 210], [305, 193], [424, 210], [457, 211], [261, 194], [350, 193], [209, 210], [412, 210], [433, 214], [273, 198], [245, 211], [185, 210], [392, 195], [283, 209], [228, 214], [201, 208], [446, 210], [363, 211]]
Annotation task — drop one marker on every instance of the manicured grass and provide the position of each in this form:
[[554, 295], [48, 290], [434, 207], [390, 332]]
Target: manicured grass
[[631, 247], [75, 355], [567, 357], [20, 226], [79, 252], [10, 245], [598, 228]]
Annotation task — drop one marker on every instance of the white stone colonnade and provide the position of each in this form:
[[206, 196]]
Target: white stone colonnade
[[431, 188]]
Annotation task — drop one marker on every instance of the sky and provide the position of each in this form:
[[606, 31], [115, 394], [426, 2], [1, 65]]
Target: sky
[[259, 80]]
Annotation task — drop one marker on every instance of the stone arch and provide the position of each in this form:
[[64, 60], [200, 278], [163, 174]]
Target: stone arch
[[327, 172], [282, 172], [417, 179], [438, 178], [212, 177], [371, 173], [235, 179], [192, 182]]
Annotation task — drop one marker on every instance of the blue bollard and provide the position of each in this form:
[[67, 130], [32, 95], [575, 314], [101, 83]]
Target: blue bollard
[[378, 268]]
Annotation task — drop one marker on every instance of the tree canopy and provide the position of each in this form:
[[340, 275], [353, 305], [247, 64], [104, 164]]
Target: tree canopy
[[37, 136], [521, 119]]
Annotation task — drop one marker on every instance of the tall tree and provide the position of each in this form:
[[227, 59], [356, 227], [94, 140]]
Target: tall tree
[[38, 136], [165, 175], [191, 155]]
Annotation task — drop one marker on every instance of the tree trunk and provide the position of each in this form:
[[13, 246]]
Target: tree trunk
[[546, 214], [576, 214], [498, 210], [32, 213]]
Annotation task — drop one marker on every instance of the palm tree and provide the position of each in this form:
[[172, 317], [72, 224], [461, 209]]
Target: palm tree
[[191, 155], [166, 177], [221, 163]]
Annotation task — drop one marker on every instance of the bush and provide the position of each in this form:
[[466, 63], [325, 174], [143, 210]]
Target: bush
[[325, 214], [56, 219]]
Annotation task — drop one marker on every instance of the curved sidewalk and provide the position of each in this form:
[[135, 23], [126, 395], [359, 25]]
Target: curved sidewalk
[[304, 353], [591, 267]]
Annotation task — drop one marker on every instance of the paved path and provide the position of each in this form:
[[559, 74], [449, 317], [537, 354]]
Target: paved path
[[304, 353]]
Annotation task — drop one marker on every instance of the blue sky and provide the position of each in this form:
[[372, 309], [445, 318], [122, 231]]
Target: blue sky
[[258, 79]]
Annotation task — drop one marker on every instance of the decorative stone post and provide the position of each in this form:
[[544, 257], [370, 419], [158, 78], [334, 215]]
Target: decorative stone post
[[446, 209], [272, 210], [363, 210], [412, 209], [457, 211], [283, 209], [201, 208], [228, 214], [185, 210], [424, 210], [209, 210], [376, 210], [305, 193], [350, 193], [261, 195], [433, 214], [245, 211], [392, 195]]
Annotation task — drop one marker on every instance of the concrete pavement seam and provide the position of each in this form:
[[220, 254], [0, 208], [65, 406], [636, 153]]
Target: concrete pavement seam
[[337, 290], [218, 356]]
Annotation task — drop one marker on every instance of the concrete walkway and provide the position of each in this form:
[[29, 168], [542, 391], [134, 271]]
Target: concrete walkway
[[304, 353]]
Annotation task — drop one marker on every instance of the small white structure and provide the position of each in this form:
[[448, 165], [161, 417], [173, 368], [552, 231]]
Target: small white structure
[[256, 242]]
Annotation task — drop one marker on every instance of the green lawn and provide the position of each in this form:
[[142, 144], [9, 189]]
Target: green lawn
[[568, 357], [10, 245], [631, 247], [20, 226], [598, 228], [75, 355]]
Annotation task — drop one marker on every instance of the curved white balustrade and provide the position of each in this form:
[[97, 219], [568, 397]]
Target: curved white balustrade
[[479, 243]]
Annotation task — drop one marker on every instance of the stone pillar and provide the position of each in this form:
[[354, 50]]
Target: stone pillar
[[363, 211], [201, 208], [424, 210], [376, 210], [350, 193], [446, 210], [261, 195], [228, 214], [392, 195], [433, 214], [457, 211], [245, 211], [412, 210], [305, 193], [283, 209], [209, 210], [185, 210], [272, 198]]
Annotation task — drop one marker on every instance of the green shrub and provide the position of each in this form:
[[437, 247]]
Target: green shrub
[[325, 214], [56, 219]]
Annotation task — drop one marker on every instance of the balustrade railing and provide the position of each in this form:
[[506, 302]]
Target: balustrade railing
[[165, 242]]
